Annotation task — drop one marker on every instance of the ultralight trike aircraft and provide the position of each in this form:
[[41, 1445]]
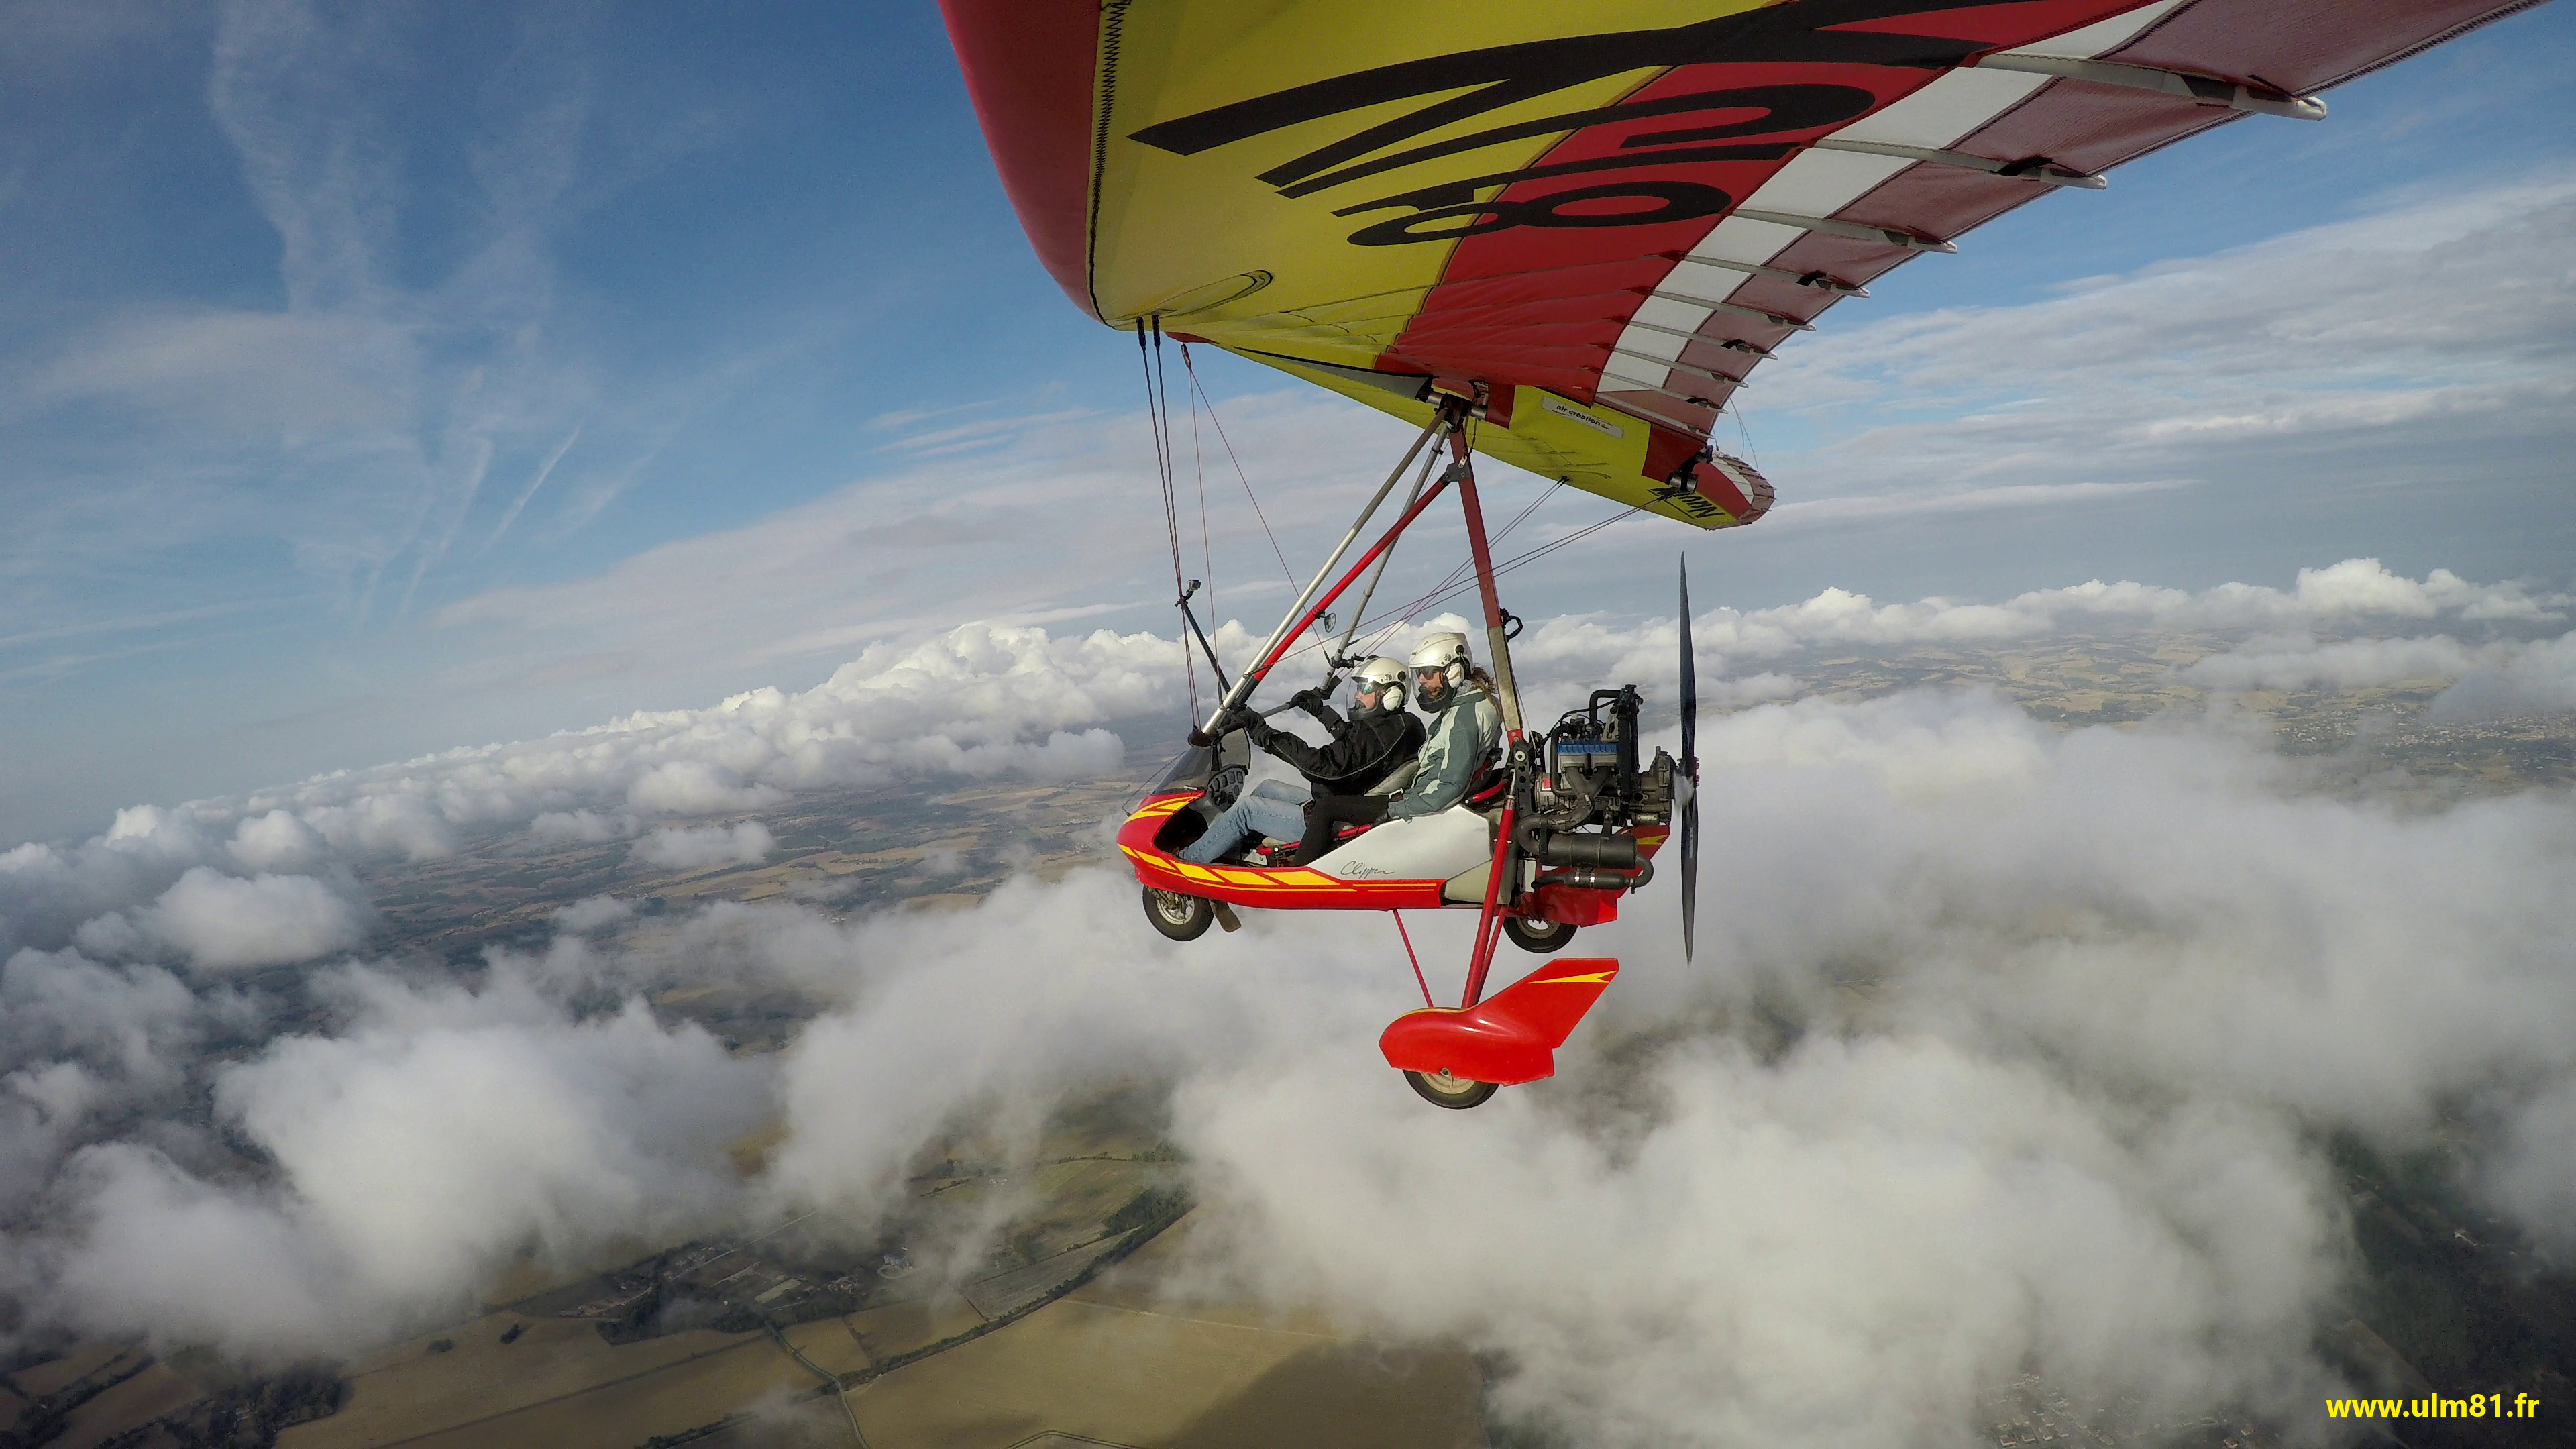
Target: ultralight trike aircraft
[[1561, 236], [1550, 834]]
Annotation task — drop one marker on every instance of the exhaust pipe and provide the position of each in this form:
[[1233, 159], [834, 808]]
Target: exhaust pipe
[[1569, 848], [1593, 879]]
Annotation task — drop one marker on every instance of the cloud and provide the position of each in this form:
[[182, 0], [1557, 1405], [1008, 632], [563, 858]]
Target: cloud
[[2280, 364], [64, 1007], [248, 372], [912, 550], [2493, 680], [2535, 1177], [2007, 1049], [979, 701], [77, 1037], [1852, 508], [2539, 679], [84, 1044], [580, 827], [594, 913], [416, 1153], [986, 700], [2008, 1046], [691, 849], [2314, 356], [219, 922], [277, 840], [1562, 657], [695, 787], [249, 880]]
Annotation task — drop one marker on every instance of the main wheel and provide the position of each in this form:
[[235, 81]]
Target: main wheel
[[1544, 937], [1443, 1090], [1181, 917]]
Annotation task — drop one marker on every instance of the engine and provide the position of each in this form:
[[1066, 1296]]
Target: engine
[[1591, 794]]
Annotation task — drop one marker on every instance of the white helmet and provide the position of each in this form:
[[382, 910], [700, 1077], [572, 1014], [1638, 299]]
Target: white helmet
[[1444, 652], [1386, 677]]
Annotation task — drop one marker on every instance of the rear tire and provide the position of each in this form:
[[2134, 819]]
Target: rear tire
[[1544, 937], [1443, 1090], [1178, 916]]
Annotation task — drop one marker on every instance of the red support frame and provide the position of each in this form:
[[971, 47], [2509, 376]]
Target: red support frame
[[1489, 923]]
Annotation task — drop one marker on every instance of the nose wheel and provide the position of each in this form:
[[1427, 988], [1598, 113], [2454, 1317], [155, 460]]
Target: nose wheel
[[1178, 916], [1441, 1089]]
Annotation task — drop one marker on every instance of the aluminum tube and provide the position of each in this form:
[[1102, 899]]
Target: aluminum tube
[[1384, 559], [1245, 682], [1497, 649]]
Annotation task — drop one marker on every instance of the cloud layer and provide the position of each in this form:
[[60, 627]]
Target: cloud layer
[[2435, 325], [2007, 1049], [256, 880]]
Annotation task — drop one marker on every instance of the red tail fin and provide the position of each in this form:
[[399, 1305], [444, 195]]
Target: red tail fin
[[1508, 1038]]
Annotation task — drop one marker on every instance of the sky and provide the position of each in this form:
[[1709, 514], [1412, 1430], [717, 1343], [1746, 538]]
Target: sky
[[425, 428], [375, 382]]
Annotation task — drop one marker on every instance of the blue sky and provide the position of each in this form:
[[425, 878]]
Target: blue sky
[[377, 381]]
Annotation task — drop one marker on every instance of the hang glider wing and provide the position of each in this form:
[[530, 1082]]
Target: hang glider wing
[[1597, 218]]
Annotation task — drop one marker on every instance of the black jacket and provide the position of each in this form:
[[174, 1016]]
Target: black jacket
[[1366, 748]]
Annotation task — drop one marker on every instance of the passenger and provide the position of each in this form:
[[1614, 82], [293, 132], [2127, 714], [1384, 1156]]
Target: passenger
[[1466, 729], [1372, 744]]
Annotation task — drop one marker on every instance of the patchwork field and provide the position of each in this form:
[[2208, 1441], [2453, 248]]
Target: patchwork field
[[409, 1390], [1127, 1360]]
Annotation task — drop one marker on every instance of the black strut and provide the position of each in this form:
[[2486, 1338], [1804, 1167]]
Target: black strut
[[1204, 646]]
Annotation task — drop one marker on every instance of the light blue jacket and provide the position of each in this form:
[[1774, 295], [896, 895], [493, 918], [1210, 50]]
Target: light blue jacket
[[1464, 731]]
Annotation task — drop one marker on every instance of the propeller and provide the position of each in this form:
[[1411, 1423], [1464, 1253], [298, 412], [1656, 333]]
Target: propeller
[[1690, 768]]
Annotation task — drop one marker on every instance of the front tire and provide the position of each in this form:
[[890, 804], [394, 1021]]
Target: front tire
[[1178, 916], [1443, 1090], [1544, 937]]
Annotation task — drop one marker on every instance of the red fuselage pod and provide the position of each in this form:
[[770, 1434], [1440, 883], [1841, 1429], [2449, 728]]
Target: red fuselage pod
[[1286, 887]]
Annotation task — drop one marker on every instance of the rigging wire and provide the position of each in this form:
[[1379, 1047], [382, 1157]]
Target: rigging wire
[[1198, 467], [1199, 396], [1745, 433], [1444, 587], [1452, 582], [1359, 612], [1158, 416], [1451, 590]]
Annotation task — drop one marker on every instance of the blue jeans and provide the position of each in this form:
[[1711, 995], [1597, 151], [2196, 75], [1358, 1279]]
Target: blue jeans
[[1274, 808]]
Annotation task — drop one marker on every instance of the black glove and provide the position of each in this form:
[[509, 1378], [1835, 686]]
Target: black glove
[[1307, 698]]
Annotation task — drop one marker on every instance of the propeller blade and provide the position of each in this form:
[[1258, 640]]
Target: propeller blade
[[1690, 769], [1690, 871], [1690, 686]]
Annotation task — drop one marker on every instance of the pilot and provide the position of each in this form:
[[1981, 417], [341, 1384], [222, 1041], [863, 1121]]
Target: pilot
[[1379, 737], [1466, 729]]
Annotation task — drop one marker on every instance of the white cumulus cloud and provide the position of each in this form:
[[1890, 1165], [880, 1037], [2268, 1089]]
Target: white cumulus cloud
[[416, 1152], [218, 922]]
